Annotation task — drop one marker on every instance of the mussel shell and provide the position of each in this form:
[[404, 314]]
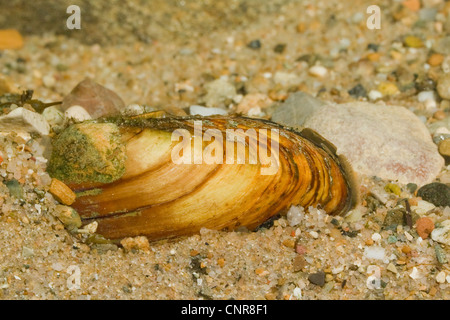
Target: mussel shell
[[158, 198]]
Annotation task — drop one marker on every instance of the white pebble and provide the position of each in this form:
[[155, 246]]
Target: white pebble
[[425, 95], [53, 115], [314, 234], [49, 81], [297, 293], [295, 215], [77, 114], [374, 252], [440, 277], [415, 274], [375, 94], [318, 71], [203, 111], [376, 237], [133, 110]]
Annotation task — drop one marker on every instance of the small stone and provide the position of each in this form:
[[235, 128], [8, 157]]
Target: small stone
[[286, 79], [443, 86], [415, 274], [254, 44], [318, 71], [299, 263], [439, 115], [392, 268], [314, 234], [205, 112], [358, 91], [440, 254], [10, 39], [427, 14], [300, 249], [376, 237], [62, 192], [219, 93], [77, 114], [441, 233], [424, 226], [393, 188], [413, 5], [137, 243], [422, 207], [68, 216], [133, 110], [279, 48], [435, 193], [295, 215], [53, 116], [435, 59], [97, 100], [387, 88], [392, 239], [21, 119], [49, 81], [27, 252], [253, 100], [440, 277], [15, 188], [375, 252], [317, 278], [296, 109], [412, 187], [413, 42], [444, 147], [375, 94]]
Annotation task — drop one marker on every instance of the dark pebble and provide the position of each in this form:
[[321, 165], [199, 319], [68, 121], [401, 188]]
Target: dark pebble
[[15, 189], [372, 46], [254, 44], [436, 193], [317, 278], [358, 91], [279, 48], [412, 187]]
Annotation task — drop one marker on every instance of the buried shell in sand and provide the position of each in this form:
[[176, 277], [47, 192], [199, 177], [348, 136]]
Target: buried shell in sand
[[164, 177]]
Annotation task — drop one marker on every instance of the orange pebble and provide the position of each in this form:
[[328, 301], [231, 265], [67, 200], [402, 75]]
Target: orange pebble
[[424, 227], [435, 59], [413, 5]]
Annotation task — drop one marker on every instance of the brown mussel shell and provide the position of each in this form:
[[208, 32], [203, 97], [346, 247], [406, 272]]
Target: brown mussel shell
[[132, 186]]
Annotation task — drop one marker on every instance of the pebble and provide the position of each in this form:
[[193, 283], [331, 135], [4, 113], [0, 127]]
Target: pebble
[[441, 233], [358, 91], [15, 188], [62, 192], [219, 93], [375, 94], [318, 71], [440, 277], [97, 100], [440, 254], [49, 81], [415, 274], [295, 215], [424, 226], [27, 252], [10, 39], [443, 86], [21, 119], [435, 193], [299, 263], [427, 14], [203, 111], [252, 101], [444, 147], [53, 116], [376, 237], [133, 110], [413, 42], [297, 109], [387, 88], [68, 216], [375, 252], [425, 95], [254, 44], [137, 243], [286, 79], [317, 278], [77, 114], [422, 207], [435, 59], [392, 268], [357, 126]]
